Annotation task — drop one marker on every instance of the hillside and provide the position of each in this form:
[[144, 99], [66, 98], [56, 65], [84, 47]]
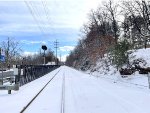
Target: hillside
[[109, 72]]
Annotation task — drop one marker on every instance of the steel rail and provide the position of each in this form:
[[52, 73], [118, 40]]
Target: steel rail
[[38, 93]]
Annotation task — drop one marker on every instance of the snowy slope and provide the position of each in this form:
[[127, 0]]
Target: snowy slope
[[82, 93], [100, 70]]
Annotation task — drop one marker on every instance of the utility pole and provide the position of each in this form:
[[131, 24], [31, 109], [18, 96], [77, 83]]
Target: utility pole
[[56, 47]]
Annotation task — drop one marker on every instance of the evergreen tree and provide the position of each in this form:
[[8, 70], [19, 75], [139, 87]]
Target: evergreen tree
[[119, 54]]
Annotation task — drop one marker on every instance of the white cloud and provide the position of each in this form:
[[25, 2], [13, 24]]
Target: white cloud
[[33, 42], [68, 14], [27, 53], [66, 48]]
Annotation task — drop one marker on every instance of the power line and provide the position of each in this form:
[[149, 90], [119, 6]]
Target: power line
[[46, 11], [40, 19], [47, 15], [34, 17]]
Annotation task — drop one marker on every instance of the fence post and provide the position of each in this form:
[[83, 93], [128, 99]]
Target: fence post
[[9, 91]]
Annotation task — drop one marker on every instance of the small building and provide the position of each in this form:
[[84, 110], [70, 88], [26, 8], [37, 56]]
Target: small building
[[51, 63]]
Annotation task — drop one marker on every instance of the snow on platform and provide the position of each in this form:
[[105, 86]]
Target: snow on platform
[[15, 102]]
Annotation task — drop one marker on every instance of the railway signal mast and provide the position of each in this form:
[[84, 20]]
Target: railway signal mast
[[44, 47]]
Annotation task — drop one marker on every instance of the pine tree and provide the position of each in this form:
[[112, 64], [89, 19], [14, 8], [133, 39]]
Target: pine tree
[[119, 54]]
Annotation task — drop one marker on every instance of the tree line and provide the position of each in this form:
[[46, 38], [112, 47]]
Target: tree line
[[14, 55], [113, 28]]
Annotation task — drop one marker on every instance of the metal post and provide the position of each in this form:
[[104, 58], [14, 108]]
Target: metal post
[[2, 74], [9, 91], [148, 75], [44, 57]]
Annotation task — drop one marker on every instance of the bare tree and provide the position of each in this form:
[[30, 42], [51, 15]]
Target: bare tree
[[136, 10], [12, 50], [112, 10]]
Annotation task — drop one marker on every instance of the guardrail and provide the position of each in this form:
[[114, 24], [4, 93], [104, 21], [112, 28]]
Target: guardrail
[[6, 76], [24, 74]]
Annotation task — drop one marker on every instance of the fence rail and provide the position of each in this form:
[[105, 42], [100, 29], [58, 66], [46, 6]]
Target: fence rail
[[24, 74], [28, 73]]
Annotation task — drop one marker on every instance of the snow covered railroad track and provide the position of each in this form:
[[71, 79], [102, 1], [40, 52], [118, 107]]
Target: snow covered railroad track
[[72, 91], [63, 95], [22, 111]]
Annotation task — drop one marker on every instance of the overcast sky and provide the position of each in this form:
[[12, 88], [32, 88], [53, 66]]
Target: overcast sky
[[34, 23]]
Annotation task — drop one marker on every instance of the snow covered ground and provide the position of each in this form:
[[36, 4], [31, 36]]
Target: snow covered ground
[[135, 79], [80, 92]]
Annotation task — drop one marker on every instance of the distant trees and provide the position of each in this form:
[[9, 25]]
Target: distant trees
[[113, 26], [39, 58], [76, 56], [13, 55]]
